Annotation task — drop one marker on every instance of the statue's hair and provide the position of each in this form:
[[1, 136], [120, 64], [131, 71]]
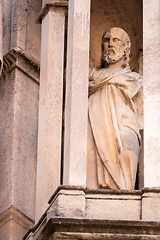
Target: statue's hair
[[127, 44]]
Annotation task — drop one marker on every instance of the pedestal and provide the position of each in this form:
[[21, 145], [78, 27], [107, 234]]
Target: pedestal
[[78, 213]]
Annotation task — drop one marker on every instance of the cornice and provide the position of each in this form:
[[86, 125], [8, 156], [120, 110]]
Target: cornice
[[122, 229], [96, 191], [18, 58], [17, 216], [61, 4], [92, 228], [151, 190]]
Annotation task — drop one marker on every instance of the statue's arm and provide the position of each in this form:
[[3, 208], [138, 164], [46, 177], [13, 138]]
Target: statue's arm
[[92, 80], [97, 79]]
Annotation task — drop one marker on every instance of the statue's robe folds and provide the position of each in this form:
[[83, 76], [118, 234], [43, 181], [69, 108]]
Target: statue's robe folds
[[113, 129]]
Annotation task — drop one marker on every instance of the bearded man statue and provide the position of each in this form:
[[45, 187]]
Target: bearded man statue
[[113, 128]]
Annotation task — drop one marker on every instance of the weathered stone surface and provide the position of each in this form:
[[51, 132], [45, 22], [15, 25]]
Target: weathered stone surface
[[76, 110], [50, 5], [50, 108], [68, 203], [73, 228], [151, 71], [108, 214], [20, 28], [113, 206], [13, 224], [54, 2], [151, 204], [18, 125], [97, 204]]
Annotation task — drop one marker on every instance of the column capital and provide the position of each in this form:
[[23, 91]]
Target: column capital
[[18, 58], [49, 6]]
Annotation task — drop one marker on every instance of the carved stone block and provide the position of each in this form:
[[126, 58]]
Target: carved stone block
[[68, 203], [151, 204], [113, 205]]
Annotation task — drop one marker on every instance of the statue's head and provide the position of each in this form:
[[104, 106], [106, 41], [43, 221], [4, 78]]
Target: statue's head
[[115, 47]]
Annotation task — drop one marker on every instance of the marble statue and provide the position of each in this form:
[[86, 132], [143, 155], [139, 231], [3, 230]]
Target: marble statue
[[113, 127]]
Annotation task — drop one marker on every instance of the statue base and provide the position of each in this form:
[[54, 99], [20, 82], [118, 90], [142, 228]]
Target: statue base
[[78, 213]]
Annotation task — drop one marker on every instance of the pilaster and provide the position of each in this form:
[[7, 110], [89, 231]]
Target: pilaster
[[151, 76], [50, 103], [76, 104], [19, 87]]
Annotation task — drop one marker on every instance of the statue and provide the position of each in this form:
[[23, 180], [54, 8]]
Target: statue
[[113, 128]]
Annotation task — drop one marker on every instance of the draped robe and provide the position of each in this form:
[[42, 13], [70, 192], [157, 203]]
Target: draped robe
[[113, 129]]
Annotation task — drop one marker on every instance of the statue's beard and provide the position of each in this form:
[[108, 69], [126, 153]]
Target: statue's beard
[[112, 55]]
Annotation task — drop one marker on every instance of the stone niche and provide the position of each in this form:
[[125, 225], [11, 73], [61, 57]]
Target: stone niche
[[127, 15], [80, 213]]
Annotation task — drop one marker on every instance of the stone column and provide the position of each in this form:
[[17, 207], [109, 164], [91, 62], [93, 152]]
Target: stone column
[[151, 70], [76, 114], [50, 103], [19, 92]]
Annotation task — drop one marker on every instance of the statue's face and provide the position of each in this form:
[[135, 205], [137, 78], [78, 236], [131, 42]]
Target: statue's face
[[113, 46]]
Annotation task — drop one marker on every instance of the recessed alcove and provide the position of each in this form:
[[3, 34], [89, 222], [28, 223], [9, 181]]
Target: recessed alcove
[[127, 15]]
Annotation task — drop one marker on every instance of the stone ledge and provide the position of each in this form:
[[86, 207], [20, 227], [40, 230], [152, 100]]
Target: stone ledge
[[72, 228], [51, 6], [18, 58], [151, 190], [100, 204], [79, 213], [96, 191]]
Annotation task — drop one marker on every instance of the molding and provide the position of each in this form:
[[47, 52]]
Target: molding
[[18, 58], [92, 228], [96, 191], [151, 190], [50, 6], [61, 221], [17, 216]]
